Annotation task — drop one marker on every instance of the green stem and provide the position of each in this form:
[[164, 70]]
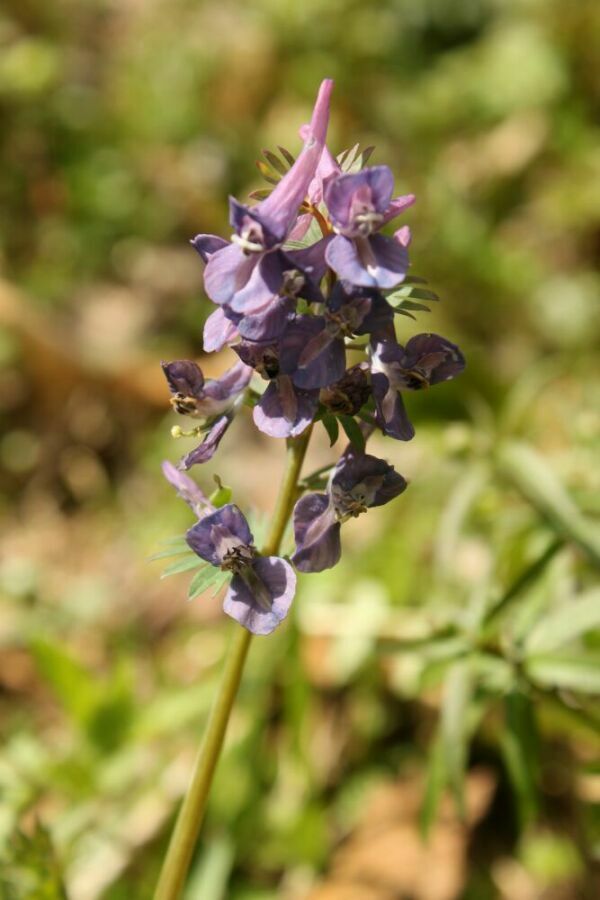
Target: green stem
[[183, 840]]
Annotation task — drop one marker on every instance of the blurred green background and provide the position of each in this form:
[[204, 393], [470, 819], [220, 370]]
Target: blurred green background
[[444, 678]]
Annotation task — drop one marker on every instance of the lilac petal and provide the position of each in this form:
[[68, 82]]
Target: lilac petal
[[312, 355], [397, 206], [317, 534], [225, 389], [244, 218], [207, 244], [311, 260], [187, 489], [284, 411], [227, 272], [375, 480], [349, 194], [215, 535], [184, 377], [262, 286], [268, 325], [218, 331], [327, 169], [300, 227], [436, 358], [207, 449], [260, 598], [278, 211], [390, 413], [403, 236], [376, 261]]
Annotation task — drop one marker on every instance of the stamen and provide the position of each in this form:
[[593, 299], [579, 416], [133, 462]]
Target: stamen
[[246, 244]]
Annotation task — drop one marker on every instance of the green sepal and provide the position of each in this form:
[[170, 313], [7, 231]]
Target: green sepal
[[353, 432], [332, 428]]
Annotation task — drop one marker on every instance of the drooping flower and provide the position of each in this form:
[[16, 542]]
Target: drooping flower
[[426, 359], [262, 587], [187, 489], [251, 262], [348, 395], [211, 400], [359, 205], [358, 482]]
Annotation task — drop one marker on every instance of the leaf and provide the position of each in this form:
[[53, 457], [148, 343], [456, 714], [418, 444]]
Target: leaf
[[332, 428], [72, 683], [520, 749], [202, 581], [353, 432], [531, 475], [572, 620], [410, 304], [577, 673], [183, 565], [275, 162], [286, 155], [260, 194], [434, 786], [166, 554], [30, 870], [453, 728]]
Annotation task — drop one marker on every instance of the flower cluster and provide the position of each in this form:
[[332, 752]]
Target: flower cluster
[[293, 305]]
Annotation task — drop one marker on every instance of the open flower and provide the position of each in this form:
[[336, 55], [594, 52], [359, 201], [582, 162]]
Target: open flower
[[426, 359], [211, 400], [262, 587], [358, 482], [359, 205], [252, 263]]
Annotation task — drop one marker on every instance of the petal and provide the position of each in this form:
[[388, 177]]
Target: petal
[[262, 286], [184, 377], [227, 272], [372, 187], [207, 244], [260, 599], [376, 261], [222, 391], [186, 488], [317, 534], [214, 535], [270, 324], [377, 479], [278, 211], [218, 331], [312, 355], [207, 449], [397, 206], [300, 227], [437, 358], [390, 413], [284, 411], [311, 260]]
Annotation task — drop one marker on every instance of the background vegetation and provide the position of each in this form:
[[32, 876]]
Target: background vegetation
[[444, 678]]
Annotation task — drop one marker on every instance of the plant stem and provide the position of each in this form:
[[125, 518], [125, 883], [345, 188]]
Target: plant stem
[[183, 840]]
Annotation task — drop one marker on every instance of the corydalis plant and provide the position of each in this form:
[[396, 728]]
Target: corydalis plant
[[305, 279]]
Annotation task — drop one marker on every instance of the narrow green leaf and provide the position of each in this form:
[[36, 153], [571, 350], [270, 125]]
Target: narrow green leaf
[[275, 162], [531, 475], [577, 673], [453, 728], [520, 749], [436, 778], [286, 155], [166, 554], [220, 583], [561, 626], [423, 294], [183, 565], [202, 581], [332, 428], [260, 194], [410, 304], [353, 432]]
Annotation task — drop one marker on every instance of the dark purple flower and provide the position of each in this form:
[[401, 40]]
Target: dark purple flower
[[201, 399], [251, 264], [312, 351], [348, 395], [358, 482], [207, 449], [359, 205], [262, 587], [427, 359]]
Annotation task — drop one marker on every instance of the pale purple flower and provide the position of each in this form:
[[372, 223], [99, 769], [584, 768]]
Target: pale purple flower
[[426, 359], [262, 587], [359, 205], [187, 489], [358, 482]]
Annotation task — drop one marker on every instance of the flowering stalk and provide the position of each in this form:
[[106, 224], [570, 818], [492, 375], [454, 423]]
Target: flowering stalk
[[291, 306], [183, 840]]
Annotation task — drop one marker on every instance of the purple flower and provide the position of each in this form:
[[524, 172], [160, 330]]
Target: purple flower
[[359, 205], [251, 263], [187, 489], [284, 410], [348, 395], [210, 400], [262, 587], [358, 482], [427, 359]]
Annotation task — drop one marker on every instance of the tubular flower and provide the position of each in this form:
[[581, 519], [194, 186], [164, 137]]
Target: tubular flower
[[358, 482]]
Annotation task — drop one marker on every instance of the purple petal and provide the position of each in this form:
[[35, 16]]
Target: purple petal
[[186, 488], [397, 206], [433, 357], [300, 227], [207, 449], [184, 377], [279, 210], [223, 390], [215, 535], [327, 169], [365, 477], [285, 411], [403, 236], [259, 599], [311, 260], [370, 189], [262, 286], [227, 272], [218, 331], [207, 244], [311, 354], [376, 261], [317, 534], [390, 413], [268, 325]]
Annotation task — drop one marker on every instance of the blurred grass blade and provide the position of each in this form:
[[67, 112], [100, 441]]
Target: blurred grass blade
[[436, 781], [520, 750], [575, 672], [30, 869], [210, 876], [454, 730], [73, 685], [524, 580], [566, 624], [536, 481]]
